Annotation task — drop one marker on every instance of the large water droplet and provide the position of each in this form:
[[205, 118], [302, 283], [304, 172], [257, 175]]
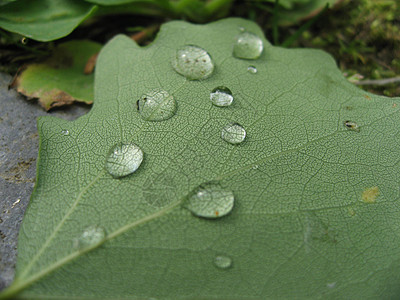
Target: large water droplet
[[223, 262], [123, 159], [210, 200], [221, 96], [193, 62], [248, 46], [351, 126], [252, 69], [156, 105], [91, 236], [233, 133]]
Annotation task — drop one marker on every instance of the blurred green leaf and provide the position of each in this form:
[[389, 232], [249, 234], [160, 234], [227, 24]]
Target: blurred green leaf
[[4, 2], [60, 80], [44, 20]]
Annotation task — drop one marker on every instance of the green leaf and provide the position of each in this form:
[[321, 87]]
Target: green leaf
[[60, 80], [44, 20], [315, 182], [4, 2]]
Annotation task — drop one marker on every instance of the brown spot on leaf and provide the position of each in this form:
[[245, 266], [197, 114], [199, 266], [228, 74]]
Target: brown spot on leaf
[[352, 212], [55, 98], [369, 195]]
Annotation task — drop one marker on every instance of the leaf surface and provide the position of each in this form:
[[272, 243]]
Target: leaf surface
[[44, 20], [316, 211], [60, 80]]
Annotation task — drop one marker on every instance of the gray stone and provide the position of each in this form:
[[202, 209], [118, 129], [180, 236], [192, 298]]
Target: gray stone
[[18, 153]]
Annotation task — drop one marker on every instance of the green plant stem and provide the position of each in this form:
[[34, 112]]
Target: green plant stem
[[149, 10], [378, 81], [289, 41], [180, 6], [215, 5]]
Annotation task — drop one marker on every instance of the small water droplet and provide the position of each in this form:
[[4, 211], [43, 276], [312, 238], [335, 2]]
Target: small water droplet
[[123, 159], [193, 62], [252, 69], [242, 29], [223, 262], [248, 46], [331, 285], [210, 200], [221, 96], [64, 132], [156, 105], [233, 133], [91, 236], [351, 126], [24, 40]]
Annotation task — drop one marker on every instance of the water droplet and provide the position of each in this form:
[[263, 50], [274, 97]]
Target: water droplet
[[156, 105], [242, 29], [252, 69], [221, 96], [91, 236], [24, 40], [223, 262], [193, 62], [210, 200], [233, 133], [248, 46], [331, 285], [123, 159], [64, 132], [351, 126]]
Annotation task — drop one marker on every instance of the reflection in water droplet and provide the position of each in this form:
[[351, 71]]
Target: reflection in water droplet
[[64, 132], [252, 69], [351, 126], [210, 200], [233, 133], [193, 62], [91, 236], [248, 46], [223, 262], [123, 159], [156, 105], [221, 96]]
